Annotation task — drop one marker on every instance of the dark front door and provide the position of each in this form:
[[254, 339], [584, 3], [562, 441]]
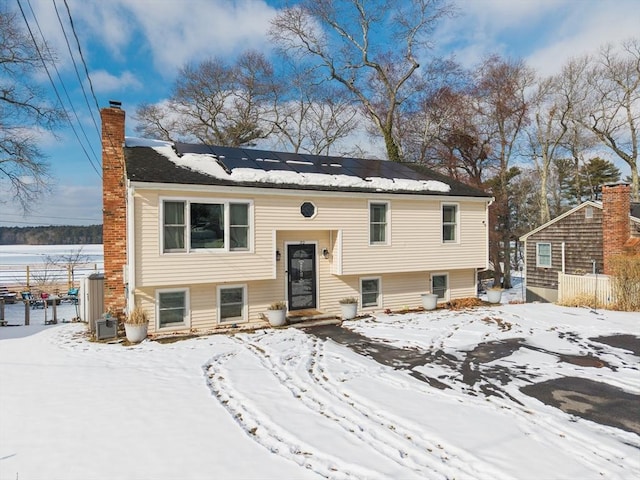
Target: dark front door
[[301, 269]]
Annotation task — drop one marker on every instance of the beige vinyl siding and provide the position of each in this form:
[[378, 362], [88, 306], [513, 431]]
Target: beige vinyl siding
[[415, 238]]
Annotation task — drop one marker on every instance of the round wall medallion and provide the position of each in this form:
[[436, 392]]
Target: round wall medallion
[[307, 209]]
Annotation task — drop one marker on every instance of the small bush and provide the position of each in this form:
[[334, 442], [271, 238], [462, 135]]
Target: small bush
[[349, 300], [582, 300], [625, 280], [137, 316], [277, 306]]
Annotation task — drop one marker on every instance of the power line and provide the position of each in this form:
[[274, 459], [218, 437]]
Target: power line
[[75, 65], [62, 82], [55, 89]]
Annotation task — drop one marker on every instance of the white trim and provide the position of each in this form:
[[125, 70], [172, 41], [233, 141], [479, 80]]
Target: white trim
[[565, 214], [245, 303], [187, 310], [225, 202], [456, 240], [447, 292], [538, 264], [293, 192], [563, 257], [315, 210], [130, 286], [336, 263], [379, 300], [387, 231]]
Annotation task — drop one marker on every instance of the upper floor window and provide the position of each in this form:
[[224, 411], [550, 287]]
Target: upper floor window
[[588, 212], [378, 223], [189, 225], [449, 223], [543, 254]]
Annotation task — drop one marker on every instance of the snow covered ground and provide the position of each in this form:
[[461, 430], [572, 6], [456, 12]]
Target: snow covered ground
[[287, 404]]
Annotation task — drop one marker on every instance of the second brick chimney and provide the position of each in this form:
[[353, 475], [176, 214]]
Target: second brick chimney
[[616, 229], [114, 207]]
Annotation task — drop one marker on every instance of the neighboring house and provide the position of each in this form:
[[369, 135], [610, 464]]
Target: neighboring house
[[580, 241], [205, 237]]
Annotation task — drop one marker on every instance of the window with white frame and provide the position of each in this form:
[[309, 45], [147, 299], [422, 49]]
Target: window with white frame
[[588, 212], [232, 304], [370, 292], [172, 308], [191, 225], [449, 223], [440, 285], [378, 223], [543, 255]]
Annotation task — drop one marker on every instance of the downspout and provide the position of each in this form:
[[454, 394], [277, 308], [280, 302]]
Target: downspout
[[130, 278], [563, 245]]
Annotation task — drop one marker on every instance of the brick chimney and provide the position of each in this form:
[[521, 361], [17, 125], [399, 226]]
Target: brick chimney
[[114, 207], [616, 227]]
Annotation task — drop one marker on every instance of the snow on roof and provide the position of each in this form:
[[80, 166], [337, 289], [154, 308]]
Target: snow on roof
[[208, 165]]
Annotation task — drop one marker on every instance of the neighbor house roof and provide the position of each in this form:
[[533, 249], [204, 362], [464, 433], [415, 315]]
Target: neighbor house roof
[[151, 161], [560, 217], [524, 237]]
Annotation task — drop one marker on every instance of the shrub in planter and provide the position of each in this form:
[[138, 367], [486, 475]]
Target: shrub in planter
[[348, 307], [277, 314], [136, 325]]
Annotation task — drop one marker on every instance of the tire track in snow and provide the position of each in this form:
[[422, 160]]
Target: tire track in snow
[[467, 464], [402, 444], [271, 436]]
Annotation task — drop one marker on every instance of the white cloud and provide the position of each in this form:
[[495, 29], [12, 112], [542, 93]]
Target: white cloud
[[104, 81], [545, 33], [176, 32]]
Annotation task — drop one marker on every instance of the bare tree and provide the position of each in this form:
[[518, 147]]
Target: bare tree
[[216, 103], [503, 108], [350, 39], [313, 117], [614, 103], [549, 126], [24, 112]]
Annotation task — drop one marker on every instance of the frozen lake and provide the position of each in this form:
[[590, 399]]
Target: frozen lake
[[48, 263]]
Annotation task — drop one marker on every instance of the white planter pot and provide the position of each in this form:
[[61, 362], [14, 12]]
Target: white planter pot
[[135, 333], [348, 310], [277, 318], [494, 296], [429, 301]]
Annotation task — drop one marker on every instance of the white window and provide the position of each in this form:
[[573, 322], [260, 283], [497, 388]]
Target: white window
[[449, 223], [197, 225], [232, 304], [370, 294], [440, 285], [543, 255], [172, 308], [378, 223], [588, 212], [174, 226]]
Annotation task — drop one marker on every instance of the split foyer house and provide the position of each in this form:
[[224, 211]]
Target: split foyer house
[[205, 237], [580, 241]]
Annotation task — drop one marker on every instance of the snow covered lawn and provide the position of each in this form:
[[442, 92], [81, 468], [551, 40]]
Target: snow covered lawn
[[287, 404]]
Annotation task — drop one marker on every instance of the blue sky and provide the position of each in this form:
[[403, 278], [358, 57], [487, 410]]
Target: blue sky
[[134, 49]]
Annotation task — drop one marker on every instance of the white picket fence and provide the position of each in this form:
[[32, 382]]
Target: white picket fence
[[595, 286]]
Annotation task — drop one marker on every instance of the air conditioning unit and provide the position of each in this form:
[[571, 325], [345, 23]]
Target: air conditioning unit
[[106, 328]]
